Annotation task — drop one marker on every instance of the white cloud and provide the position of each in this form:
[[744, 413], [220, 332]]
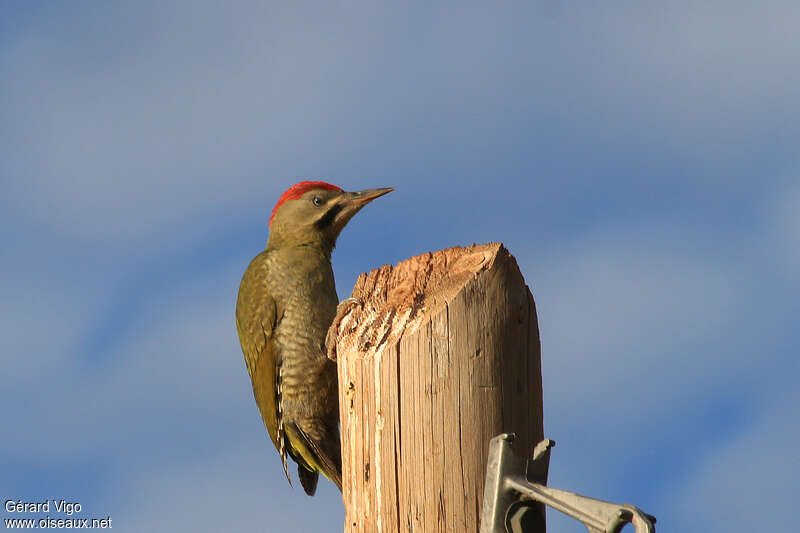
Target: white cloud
[[748, 483], [196, 116], [644, 333], [617, 312], [199, 113], [231, 492], [47, 310], [177, 361], [783, 232], [703, 76]]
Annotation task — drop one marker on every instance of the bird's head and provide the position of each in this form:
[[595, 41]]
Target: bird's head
[[314, 213]]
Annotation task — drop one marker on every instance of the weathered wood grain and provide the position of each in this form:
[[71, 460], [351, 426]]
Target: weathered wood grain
[[443, 355]]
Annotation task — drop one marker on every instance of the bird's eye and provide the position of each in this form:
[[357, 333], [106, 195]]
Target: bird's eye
[[317, 201]]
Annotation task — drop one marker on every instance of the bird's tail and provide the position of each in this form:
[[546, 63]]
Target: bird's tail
[[325, 457], [308, 479]]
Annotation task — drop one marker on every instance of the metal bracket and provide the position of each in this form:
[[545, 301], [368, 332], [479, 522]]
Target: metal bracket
[[516, 488]]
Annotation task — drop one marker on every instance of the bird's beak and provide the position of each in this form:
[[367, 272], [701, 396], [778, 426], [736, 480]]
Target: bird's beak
[[350, 203], [361, 198]]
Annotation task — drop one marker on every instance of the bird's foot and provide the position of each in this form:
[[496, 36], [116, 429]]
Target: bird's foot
[[344, 307]]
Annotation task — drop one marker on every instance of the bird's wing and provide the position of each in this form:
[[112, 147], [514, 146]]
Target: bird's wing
[[256, 318]]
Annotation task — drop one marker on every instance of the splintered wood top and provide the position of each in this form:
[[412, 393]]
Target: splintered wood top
[[397, 299], [442, 356]]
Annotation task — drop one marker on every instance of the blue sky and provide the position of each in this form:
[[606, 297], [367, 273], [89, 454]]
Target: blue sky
[[640, 160]]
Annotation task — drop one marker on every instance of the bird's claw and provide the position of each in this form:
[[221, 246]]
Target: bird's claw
[[344, 307]]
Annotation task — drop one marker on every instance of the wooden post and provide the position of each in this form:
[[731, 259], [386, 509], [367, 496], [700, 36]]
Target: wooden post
[[443, 356]]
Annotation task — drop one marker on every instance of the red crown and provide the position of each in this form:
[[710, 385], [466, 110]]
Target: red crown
[[299, 189]]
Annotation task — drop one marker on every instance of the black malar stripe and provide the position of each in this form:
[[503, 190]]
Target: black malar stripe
[[327, 219]]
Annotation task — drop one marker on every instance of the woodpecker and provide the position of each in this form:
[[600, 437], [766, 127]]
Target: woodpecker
[[287, 302]]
